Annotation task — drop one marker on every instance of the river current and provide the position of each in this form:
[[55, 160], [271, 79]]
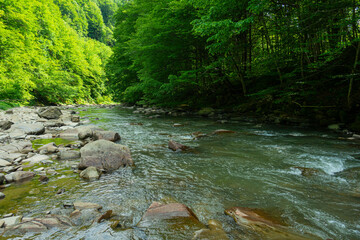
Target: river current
[[293, 174]]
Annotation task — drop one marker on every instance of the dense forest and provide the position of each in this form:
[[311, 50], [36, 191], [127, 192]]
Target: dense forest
[[300, 57], [256, 55], [55, 51]]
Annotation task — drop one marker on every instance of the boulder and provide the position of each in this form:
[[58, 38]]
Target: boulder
[[10, 157], [19, 176], [75, 118], [38, 158], [50, 113], [87, 131], [177, 146], [5, 125], [106, 135], [69, 154], [4, 163], [29, 129], [86, 205], [91, 173], [2, 195], [105, 155], [11, 221]]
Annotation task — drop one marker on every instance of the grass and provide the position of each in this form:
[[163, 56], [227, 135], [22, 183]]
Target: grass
[[7, 105]]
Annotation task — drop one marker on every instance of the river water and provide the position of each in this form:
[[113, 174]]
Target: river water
[[259, 166]]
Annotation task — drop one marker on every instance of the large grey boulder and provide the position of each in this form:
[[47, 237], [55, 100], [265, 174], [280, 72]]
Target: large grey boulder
[[105, 155], [4, 163], [29, 129], [50, 113]]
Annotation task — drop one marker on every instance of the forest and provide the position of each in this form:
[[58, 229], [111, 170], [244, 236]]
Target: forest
[[296, 56], [55, 51]]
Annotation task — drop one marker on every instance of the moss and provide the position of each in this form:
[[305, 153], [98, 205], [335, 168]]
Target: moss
[[41, 142]]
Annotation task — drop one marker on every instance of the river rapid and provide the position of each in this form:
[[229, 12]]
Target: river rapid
[[296, 175]]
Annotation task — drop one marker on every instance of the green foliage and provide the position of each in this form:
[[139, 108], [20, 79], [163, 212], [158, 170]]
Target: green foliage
[[218, 52], [45, 54], [8, 105]]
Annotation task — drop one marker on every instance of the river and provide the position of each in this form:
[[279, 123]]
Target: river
[[260, 166]]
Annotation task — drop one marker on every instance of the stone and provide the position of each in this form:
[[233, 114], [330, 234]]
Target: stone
[[29, 129], [11, 221], [105, 155], [38, 158], [5, 125], [106, 216], [214, 232], [49, 148], [50, 113], [54, 124], [4, 163], [10, 111], [70, 134], [86, 205], [10, 157], [177, 125], [177, 146], [75, 119], [107, 135], [222, 131], [8, 215], [264, 225], [2, 223], [19, 176], [206, 111], [87, 131], [2, 195], [17, 134], [26, 227], [159, 211], [43, 178], [2, 178], [91, 173], [69, 154], [84, 217]]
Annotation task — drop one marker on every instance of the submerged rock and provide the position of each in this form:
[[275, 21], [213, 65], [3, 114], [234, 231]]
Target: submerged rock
[[91, 173], [261, 224], [222, 131], [177, 146], [105, 155], [50, 113], [214, 232], [158, 211]]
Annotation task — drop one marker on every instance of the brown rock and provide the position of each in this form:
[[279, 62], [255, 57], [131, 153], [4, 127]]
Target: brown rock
[[160, 211], [222, 131], [106, 216], [177, 146]]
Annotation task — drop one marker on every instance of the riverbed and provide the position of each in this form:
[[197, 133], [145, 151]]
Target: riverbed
[[292, 174]]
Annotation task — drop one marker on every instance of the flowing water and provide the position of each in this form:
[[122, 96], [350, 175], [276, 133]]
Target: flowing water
[[259, 166]]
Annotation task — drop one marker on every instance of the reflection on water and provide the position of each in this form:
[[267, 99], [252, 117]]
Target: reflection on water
[[257, 167]]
